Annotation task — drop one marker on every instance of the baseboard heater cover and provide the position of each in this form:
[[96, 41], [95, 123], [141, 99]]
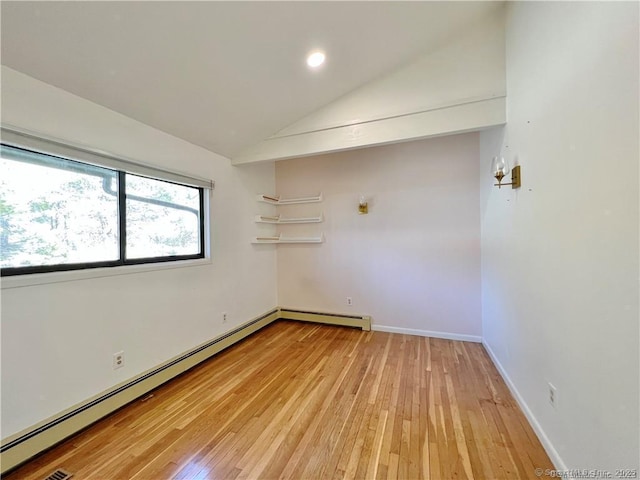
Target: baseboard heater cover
[[21, 447], [359, 321], [17, 449]]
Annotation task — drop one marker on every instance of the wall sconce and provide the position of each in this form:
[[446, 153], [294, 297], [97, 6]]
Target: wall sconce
[[363, 206], [500, 169]]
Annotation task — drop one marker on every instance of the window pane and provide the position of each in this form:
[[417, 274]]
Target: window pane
[[163, 218], [55, 211]]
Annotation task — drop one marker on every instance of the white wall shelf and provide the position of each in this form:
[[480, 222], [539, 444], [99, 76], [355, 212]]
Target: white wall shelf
[[278, 200], [282, 239], [280, 220]]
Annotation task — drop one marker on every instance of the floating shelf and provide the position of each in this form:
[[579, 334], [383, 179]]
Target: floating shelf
[[283, 239], [277, 200], [280, 220]]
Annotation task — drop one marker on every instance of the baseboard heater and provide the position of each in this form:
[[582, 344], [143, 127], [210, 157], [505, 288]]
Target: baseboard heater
[[21, 447], [24, 445], [360, 321]]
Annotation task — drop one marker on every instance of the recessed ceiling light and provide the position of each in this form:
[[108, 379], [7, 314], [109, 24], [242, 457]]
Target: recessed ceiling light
[[315, 59]]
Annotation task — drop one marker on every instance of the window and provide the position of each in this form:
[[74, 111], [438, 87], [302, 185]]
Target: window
[[62, 214], [163, 219]]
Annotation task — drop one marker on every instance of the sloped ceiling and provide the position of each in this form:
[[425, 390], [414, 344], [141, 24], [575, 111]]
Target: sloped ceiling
[[458, 87], [222, 75]]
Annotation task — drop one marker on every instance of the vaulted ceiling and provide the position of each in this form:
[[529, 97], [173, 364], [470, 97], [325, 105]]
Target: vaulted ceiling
[[222, 75]]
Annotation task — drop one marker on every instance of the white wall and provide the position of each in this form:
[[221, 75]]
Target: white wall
[[58, 339], [560, 255], [414, 261]]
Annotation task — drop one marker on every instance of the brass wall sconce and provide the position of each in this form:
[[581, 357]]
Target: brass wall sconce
[[363, 206], [500, 169]]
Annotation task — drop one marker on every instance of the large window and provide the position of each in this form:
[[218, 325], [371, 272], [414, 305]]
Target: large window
[[61, 214]]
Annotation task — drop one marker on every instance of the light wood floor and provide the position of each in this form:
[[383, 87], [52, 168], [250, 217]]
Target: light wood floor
[[305, 401]]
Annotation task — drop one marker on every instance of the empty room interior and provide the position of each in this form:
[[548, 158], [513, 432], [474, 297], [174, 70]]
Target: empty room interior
[[317, 240]]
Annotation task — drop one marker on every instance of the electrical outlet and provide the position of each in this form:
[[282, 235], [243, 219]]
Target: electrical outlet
[[349, 301], [224, 317], [552, 395], [118, 360]]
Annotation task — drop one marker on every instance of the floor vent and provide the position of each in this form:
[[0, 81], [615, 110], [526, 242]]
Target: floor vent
[[59, 475]]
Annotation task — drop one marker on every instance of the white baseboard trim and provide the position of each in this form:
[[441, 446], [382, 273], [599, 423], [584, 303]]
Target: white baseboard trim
[[537, 428], [427, 333]]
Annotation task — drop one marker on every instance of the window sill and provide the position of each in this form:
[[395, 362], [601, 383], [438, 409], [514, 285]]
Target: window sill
[[20, 281]]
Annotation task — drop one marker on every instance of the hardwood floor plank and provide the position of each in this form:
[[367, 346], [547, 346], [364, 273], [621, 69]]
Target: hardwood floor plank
[[373, 467], [305, 401]]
